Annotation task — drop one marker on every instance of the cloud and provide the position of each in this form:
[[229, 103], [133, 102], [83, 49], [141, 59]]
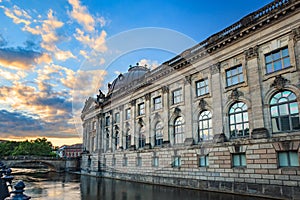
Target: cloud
[[20, 58], [81, 15], [12, 76], [16, 15], [96, 43], [151, 64]]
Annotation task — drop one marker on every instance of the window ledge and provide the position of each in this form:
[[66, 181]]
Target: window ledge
[[279, 72], [238, 85]]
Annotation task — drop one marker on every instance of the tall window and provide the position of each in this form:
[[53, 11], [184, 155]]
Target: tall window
[[128, 114], [284, 111], [117, 117], [141, 109], [234, 75], [158, 134], [176, 161], [202, 87], [142, 137], [238, 120], [178, 130], [177, 96], [277, 60], [157, 103], [128, 140], [107, 121], [107, 139], [205, 126], [288, 159]]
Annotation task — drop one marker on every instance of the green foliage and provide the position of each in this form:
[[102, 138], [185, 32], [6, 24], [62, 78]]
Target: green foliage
[[38, 147]]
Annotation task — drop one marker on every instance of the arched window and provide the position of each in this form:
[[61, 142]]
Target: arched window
[[178, 130], [238, 120], [205, 126], [142, 138], [158, 134], [128, 140], [284, 112]]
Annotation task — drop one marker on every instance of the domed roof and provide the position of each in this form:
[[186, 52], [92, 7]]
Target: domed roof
[[122, 80]]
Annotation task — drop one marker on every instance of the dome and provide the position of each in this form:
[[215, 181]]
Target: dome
[[125, 79]]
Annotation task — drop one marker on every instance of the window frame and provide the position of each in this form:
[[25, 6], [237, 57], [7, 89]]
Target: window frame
[[239, 75], [178, 98], [158, 140], [177, 128], [141, 109], [199, 87], [281, 59], [288, 158], [278, 117], [117, 118], [209, 126], [128, 114], [242, 122], [176, 163], [107, 121], [240, 158], [155, 161], [157, 105], [204, 158]]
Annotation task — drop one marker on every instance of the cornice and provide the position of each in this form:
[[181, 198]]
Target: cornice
[[262, 18]]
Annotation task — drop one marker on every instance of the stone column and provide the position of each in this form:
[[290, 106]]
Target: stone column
[[165, 115], [188, 112], [147, 118], [216, 91], [255, 91]]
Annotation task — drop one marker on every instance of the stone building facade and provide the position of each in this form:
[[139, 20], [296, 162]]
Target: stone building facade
[[221, 116]]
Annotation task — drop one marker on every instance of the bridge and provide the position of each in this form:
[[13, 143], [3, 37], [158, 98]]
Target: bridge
[[52, 163]]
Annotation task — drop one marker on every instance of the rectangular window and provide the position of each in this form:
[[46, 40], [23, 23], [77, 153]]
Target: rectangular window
[[157, 103], [107, 121], [125, 162], [117, 117], [234, 75], [277, 60], [288, 159], [138, 161], [177, 96], [202, 87], [176, 162], [141, 109], [239, 160], [128, 114], [155, 162], [203, 161]]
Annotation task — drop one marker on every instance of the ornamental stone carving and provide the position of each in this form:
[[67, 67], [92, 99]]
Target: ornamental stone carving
[[215, 68], [147, 96], [132, 102], [295, 34], [165, 89], [235, 94], [202, 104], [188, 79], [279, 82], [251, 53]]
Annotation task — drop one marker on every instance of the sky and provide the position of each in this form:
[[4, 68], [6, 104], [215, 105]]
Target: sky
[[55, 54]]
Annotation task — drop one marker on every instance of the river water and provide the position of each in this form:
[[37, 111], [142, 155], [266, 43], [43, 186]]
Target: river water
[[44, 185]]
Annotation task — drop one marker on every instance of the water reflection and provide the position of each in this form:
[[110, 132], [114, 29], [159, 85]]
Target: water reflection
[[44, 185]]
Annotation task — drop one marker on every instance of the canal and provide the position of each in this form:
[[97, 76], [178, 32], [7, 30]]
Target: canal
[[44, 185]]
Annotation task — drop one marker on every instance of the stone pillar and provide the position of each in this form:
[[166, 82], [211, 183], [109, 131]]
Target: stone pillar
[[147, 118], [216, 91], [254, 83], [133, 122], [188, 112], [165, 115]]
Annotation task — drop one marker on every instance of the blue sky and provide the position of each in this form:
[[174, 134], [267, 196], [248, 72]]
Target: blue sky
[[54, 54]]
